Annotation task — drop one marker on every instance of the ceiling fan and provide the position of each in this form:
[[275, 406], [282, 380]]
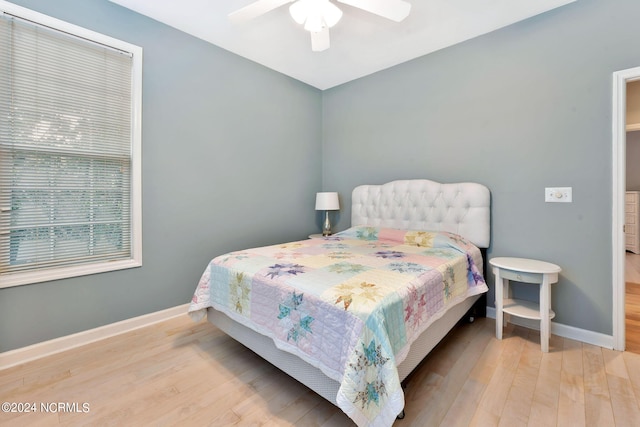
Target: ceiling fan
[[318, 16]]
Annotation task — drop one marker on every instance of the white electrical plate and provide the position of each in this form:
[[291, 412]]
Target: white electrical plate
[[558, 194]]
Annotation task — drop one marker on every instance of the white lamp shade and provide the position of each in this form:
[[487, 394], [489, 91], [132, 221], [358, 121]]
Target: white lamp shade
[[327, 201]]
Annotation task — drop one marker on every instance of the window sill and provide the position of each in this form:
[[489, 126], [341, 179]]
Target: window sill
[[45, 275]]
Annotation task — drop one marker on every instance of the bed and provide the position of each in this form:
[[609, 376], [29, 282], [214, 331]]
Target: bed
[[351, 315]]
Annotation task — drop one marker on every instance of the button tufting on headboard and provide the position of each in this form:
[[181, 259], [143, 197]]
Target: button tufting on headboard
[[420, 204]]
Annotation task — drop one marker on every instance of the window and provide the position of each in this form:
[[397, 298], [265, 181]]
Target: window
[[70, 201]]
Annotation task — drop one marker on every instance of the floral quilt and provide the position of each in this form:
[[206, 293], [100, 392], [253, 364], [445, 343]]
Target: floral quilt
[[350, 304]]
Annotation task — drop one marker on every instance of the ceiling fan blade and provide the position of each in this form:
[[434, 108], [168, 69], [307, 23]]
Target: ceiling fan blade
[[396, 10], [320, 41], [255, 9]]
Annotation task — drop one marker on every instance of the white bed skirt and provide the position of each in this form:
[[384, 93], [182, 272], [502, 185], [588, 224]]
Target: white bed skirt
[[314, 378]]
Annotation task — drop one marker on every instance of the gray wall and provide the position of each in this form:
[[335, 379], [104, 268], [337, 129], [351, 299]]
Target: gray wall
[[231, 158], [519, 109]]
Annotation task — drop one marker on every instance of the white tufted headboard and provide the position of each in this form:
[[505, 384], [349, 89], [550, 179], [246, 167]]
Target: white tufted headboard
[[420, 204]]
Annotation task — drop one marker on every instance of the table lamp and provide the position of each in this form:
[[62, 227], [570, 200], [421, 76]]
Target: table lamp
[[327, 201]]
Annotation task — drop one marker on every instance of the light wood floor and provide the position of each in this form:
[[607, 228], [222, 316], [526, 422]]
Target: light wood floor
[[181, 373]]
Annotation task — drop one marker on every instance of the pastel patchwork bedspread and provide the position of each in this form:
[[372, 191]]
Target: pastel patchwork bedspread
[[350, 304]]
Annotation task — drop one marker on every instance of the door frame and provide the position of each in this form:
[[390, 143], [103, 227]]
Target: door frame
[[619, 177]]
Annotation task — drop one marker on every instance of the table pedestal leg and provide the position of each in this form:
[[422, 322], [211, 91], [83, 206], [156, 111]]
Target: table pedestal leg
[[499, 302], [545, 306]]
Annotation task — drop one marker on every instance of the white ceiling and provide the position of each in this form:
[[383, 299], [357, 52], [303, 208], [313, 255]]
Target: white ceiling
[[361, 43]]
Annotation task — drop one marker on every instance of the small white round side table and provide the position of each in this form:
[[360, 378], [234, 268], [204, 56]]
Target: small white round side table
[[526, 271]]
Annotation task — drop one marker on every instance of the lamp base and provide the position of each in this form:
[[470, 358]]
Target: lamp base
[[326, 227]]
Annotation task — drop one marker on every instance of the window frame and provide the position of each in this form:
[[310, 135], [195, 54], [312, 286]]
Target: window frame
[[135, 260]]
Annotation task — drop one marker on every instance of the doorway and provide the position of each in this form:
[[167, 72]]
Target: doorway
[[620, 81], [632, 218]]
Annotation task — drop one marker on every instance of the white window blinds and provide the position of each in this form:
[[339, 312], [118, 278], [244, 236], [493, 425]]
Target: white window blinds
[[65, 150]]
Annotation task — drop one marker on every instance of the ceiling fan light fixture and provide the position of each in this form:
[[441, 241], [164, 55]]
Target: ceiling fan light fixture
[[315, 14]]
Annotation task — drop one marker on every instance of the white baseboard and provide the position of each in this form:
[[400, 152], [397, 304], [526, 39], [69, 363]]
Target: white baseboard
[[561, 330], [57, 345]]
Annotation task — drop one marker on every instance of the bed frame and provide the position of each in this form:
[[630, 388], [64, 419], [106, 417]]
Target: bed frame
[[461, 208]]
